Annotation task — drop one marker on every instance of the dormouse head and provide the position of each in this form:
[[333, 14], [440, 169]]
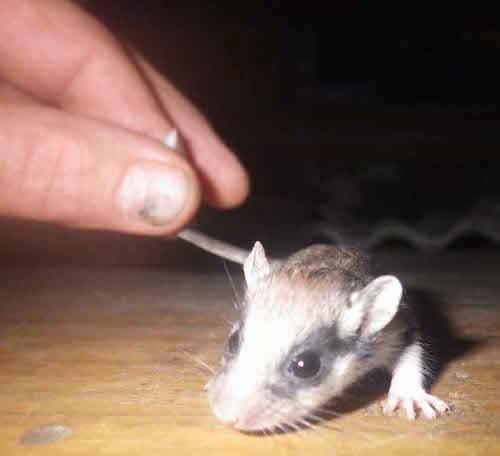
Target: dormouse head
[[308, 328]]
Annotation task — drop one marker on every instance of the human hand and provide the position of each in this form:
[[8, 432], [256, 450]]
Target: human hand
[[81, 129]]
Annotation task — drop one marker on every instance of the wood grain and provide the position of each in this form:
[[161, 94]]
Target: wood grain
[[111, 353]]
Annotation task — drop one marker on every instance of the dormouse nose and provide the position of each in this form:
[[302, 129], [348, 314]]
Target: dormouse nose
[[227, 416]]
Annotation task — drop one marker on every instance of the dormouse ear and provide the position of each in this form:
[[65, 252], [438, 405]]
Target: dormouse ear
[[375, 305], [256, 266]]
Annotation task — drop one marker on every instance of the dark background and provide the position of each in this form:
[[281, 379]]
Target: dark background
[[353, 114]]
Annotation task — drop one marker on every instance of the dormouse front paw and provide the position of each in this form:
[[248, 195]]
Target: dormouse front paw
[[412, 399]]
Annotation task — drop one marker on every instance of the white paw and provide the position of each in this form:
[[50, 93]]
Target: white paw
[[414, 399]]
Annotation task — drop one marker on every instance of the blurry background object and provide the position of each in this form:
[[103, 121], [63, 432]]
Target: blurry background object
[[351, 119]]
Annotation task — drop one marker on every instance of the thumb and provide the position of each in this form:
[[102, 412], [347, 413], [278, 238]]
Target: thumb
[[75, 171]]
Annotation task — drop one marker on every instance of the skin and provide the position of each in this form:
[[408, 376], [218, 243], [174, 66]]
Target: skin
[[81, 117]]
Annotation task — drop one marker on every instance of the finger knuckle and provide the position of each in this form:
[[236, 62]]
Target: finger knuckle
[[45, 173]]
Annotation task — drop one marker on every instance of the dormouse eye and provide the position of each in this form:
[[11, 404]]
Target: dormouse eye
[[305, 365], [233, 343]]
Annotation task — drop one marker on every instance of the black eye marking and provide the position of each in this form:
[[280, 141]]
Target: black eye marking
[[233, 343], [305, 365], [313, 358]]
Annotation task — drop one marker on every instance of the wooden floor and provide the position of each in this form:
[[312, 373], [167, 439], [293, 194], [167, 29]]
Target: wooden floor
[[114, 357]]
